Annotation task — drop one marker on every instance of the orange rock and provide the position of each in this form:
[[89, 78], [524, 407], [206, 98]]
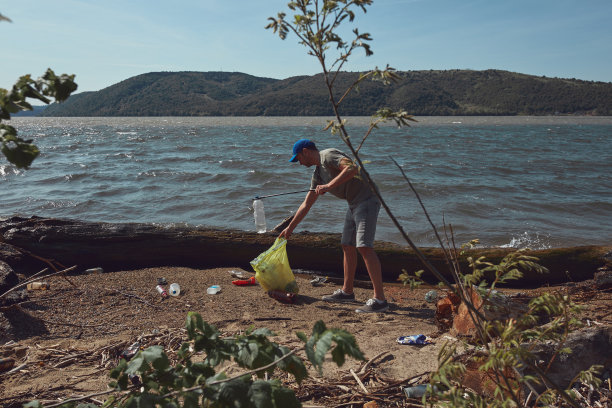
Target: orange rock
[[495, 306], [462, 321], [484, 382], [445, 310]]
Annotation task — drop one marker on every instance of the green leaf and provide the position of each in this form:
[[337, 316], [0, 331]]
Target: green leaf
[[194, 324], [137, 364], [156, 356], [293, 365], [260, 394], [233, 393], [263, 332], [190, 400], [143, 401], [247, 354], [322, 346], [319, 327], [19, 152], [346, 344], [60, 87], [285, 398]]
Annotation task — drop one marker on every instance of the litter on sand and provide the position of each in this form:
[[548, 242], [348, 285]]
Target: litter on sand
[[237, 274], [281, 296], [318, 281], [245, 282], [417, 339]]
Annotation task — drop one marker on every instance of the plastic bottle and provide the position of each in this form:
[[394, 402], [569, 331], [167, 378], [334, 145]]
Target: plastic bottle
[[237, 274], [415, 392], [260, 216], [162, 291], [175, 289], [38, 286]]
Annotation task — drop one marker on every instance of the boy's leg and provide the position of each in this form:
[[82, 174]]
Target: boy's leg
[[372, 263], [349, 262], [350, 266]]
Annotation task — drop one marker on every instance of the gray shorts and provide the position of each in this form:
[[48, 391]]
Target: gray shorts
[[360, 223]]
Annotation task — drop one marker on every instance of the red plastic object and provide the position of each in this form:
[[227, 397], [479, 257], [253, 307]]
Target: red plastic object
[[245, 282], [284, 297]]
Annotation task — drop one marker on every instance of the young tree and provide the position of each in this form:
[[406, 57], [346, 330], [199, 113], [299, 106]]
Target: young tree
[[316, 24]]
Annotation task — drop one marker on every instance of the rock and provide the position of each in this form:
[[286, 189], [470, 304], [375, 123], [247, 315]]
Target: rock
[[453, 314], [446, 309], [8, 280], [589, 346], [480, 381], [603, 278]]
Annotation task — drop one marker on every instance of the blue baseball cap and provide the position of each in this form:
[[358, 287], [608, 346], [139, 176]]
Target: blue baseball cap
[[299, 145]]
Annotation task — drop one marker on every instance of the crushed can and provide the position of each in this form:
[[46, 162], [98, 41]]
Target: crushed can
[[162, 291], [416, 339], [130, 352]]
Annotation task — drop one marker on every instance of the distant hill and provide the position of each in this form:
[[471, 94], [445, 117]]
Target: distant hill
[[422, 93], [36, 111]]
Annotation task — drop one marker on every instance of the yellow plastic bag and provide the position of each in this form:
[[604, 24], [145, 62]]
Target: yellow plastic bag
[[272, 269]]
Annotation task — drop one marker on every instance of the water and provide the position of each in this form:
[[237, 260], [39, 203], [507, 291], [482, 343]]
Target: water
[[539, 182]]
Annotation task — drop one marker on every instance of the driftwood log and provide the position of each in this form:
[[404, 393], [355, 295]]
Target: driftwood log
[[123, 246]]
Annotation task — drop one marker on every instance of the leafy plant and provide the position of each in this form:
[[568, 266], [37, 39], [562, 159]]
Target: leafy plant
[[505, 343], [150, 380], [18, 151]]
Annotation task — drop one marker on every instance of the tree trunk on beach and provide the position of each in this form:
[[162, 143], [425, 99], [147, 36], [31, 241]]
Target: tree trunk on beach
[[124, 246]]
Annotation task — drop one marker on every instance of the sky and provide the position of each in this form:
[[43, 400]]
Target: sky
[[104, 42]]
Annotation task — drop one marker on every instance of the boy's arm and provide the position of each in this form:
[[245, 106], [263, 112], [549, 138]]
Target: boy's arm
[[301, 212], [348, 170]]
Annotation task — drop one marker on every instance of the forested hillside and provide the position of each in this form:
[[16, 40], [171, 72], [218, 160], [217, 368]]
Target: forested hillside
[[422, 93]]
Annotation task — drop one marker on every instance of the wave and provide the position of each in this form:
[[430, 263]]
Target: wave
[[507, 182]]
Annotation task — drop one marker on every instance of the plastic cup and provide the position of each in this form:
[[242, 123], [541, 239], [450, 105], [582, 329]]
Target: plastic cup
[[175, 289], [431, 296], [213, 290]]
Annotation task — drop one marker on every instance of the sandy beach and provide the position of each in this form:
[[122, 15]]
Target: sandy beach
[[67, 338]]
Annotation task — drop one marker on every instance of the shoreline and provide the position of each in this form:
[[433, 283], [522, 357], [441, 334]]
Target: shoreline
[[123, 246]]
